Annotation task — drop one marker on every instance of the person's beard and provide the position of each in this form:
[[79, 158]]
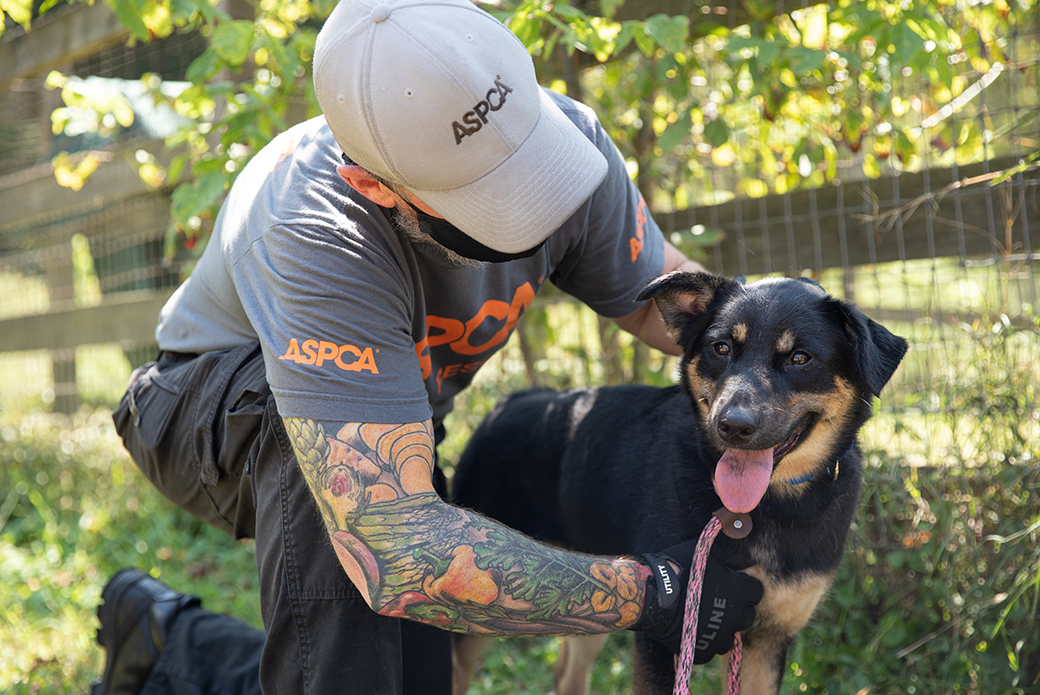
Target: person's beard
[[409, 227]]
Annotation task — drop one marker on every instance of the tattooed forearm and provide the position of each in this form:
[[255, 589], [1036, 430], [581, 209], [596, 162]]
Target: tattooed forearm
[[414, 556]]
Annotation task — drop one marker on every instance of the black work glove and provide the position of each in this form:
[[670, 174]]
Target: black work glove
[[727, 606]]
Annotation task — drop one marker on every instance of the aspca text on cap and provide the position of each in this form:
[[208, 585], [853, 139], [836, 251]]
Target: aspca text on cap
[[477, 116]]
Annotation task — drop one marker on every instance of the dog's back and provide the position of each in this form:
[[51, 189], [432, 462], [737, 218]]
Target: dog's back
[[510, 469], [570, 467]]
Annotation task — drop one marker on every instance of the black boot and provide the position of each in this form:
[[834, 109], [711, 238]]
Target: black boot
[[135, 614]]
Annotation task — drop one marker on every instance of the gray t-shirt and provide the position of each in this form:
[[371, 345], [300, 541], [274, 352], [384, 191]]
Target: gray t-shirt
[[356, 323]]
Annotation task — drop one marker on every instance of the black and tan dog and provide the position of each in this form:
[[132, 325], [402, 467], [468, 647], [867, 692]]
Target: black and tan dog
[[777, 379]]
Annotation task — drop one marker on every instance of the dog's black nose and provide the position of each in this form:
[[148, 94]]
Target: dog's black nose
[[736, 424]]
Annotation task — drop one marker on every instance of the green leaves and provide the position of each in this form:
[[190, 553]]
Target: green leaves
[[526, 24], [20, 12], [73, 175], [192, 199], [766, 50], [204, 67], [804, 60], [777, 52], [541, 27], [658, 31], [716, 133], [858, 80], [675, 133], [904, 42], [322, 8], [233, 40], [91, 105], [131, 16], [782, 95], [223, 122], [670, 33]]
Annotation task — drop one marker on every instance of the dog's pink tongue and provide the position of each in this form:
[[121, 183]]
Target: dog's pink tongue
[[741, 478]]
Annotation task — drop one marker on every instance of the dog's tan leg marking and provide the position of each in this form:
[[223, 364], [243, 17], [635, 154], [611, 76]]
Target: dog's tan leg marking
[[785, 608], [574, 663], [465, 652], [813, 453]]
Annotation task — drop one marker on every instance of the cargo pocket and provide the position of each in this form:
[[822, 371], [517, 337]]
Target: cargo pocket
[[239, 451], [151, 400], [229, 418], [231, 406], [151, 422], [242, 425]]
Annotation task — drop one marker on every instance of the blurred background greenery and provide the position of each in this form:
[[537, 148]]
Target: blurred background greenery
[[887, 149]]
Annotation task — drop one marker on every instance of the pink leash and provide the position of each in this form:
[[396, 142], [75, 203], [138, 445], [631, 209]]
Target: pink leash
[[693, 601]]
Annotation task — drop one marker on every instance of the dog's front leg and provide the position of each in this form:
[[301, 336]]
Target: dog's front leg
[[762, 665], [785, 608], [574, 663], [653, 667], [465, 652]]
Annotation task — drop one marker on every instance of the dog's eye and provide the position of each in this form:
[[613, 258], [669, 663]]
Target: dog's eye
[[800, 358], [722, 348]]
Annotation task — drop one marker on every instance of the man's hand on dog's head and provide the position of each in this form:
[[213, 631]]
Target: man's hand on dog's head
[[728, 600]]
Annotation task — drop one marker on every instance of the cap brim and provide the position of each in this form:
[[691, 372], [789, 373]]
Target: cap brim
[[526, 198]]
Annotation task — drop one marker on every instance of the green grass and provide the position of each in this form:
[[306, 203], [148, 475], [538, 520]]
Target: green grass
[[75, 509]]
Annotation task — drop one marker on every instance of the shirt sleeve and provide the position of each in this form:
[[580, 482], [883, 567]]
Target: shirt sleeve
[[333, 314], [618, 248]]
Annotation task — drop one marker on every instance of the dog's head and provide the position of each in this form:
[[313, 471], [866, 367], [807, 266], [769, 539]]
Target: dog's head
[[781, 373]]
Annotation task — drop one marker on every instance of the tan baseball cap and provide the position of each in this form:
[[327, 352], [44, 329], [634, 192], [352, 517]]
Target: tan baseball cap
[[441, 98]]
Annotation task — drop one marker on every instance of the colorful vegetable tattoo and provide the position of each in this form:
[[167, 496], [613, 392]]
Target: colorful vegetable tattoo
[[414, 556]]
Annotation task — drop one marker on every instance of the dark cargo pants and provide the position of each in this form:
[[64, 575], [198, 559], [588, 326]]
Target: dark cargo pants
[[206, 431]]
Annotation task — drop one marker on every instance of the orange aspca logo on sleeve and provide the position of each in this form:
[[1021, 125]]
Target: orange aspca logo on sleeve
[[458, 334], [319, 352], [636, 243]]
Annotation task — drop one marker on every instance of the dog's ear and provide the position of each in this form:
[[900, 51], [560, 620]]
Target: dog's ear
[[682, 297], [876, 349]]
